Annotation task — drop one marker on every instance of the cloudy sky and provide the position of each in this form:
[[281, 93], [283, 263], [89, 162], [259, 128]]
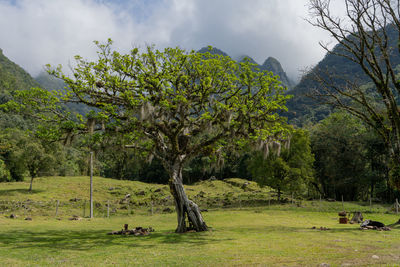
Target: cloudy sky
[[34, 33]]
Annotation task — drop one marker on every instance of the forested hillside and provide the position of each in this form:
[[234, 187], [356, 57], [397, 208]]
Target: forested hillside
[[303, 108]]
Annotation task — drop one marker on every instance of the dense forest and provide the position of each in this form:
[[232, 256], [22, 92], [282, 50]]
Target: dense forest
[[332, 155]]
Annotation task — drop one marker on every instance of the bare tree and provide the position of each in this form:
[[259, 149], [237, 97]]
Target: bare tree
[[364, 34]]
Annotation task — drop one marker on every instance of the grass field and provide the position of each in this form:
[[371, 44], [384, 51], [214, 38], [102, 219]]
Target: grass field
[[276, 235]]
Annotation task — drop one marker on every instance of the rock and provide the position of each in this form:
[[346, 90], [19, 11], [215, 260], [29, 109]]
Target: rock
[[376, 257], [324, 265], [111, 188], [75, 218], [212, 178], [127, 195], [28, 219], [169, 210]]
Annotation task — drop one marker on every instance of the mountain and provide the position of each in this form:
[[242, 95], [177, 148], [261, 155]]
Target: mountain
[[303, 108], [273, 65], [270, 64], [51, 83], [12, 78], [213, 51]]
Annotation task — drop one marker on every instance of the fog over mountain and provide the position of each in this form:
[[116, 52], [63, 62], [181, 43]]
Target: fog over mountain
[[34, 33]]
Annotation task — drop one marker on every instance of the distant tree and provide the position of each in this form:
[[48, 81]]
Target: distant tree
[[172, 105], [37, 160], [289, 170], [367, 34]]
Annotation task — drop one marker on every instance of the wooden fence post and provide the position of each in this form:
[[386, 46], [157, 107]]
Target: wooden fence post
[[91, 184], [108, 208], [58, 203], [84, 209]]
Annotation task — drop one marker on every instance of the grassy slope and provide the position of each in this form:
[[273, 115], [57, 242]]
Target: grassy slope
[[65, 188], [208, 194], [275, 235]]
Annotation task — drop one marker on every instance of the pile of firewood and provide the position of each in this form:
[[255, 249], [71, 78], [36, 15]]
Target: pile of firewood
[[137, 231]]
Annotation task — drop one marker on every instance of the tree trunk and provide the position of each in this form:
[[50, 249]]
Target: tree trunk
[[30, 186], [185, 208]]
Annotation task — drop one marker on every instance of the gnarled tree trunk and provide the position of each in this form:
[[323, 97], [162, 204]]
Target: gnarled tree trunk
[[185, 208]]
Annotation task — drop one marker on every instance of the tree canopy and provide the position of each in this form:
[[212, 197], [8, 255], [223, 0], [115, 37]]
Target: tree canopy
[[171, 104]]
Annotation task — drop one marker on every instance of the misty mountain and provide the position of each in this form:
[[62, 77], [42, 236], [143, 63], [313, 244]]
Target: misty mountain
[[51, 83], [270, 64], [303, 108], [13, 78]]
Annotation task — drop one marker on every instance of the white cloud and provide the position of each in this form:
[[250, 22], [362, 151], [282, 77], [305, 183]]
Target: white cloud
[[34, 33]]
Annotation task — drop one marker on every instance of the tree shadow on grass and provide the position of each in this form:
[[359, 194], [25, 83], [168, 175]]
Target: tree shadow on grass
[[87, 239], [11, 192]]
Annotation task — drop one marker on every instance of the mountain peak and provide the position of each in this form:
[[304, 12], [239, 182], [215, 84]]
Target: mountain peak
[[247, 58], [213, 51]]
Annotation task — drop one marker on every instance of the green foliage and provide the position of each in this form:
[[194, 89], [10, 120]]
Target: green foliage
[[290, 170], [171, 104], [350, 160], [4, 172]]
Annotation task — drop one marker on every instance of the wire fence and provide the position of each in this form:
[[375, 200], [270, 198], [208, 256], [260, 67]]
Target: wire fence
[[111, 208]]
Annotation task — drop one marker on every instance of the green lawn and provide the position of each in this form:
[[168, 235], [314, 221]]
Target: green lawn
[[246, 230], [238, 237]]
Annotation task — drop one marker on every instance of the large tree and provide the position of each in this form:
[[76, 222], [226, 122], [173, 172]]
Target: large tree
[[287, 169], [368, 34], [171, 104]]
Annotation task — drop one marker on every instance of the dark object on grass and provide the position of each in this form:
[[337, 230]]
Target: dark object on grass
[[167, 209], [357, 217], [138, 231], [28, 219], [75, 218], [342, 213], [13, 216], [321, 228], [343, 219], [374, 225]]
